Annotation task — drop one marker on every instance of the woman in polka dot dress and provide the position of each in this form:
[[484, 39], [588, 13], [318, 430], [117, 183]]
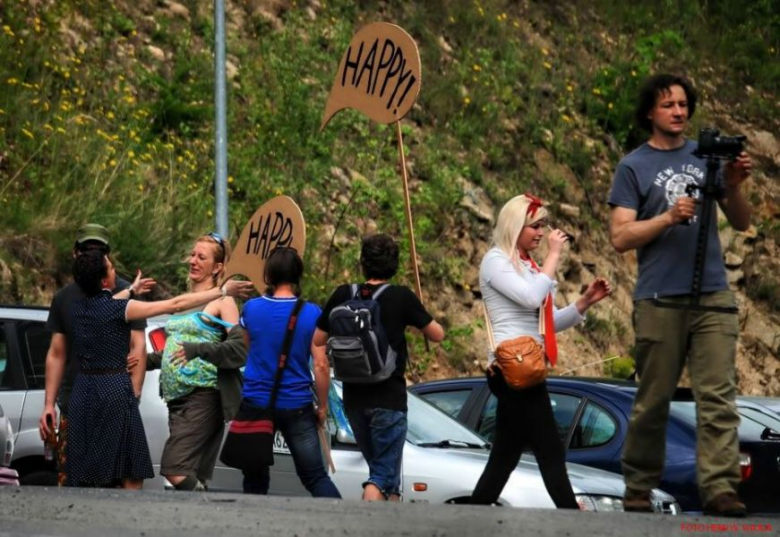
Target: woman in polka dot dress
[[106, 439]]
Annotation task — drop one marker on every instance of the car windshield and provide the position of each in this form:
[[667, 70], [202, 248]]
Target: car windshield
[[752, 424], [427, 425]]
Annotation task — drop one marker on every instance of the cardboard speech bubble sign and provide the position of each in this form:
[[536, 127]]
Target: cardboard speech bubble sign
[[379, 75], [278, 222]]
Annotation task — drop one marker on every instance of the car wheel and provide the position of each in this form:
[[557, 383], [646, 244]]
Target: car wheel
[[41, 478]]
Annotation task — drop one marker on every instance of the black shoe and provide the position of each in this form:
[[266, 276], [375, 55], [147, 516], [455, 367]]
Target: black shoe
[[637, 501]]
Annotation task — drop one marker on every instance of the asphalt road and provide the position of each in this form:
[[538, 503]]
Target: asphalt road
[[37, 511]]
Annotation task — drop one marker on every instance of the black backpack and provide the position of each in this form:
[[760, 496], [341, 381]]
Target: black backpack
[[357, 344]]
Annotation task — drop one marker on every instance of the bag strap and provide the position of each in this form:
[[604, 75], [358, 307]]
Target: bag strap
[[355, 288], [489, 327], [288, 338], [379, 290]]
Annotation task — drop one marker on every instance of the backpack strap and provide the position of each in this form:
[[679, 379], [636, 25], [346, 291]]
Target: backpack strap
[[354, 288], [381, 289]]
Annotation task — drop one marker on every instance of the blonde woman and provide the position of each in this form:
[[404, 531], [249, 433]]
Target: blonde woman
[[518, 296], [196, 391]]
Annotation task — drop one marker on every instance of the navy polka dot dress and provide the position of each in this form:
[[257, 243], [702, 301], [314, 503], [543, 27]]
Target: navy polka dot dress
[[106, 438]]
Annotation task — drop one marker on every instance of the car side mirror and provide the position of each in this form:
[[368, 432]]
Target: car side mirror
[[344, 437]]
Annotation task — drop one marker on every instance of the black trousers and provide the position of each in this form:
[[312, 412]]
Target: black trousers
[[524, 418]]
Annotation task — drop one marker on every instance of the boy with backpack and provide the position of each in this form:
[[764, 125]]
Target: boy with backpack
[[363, 327]]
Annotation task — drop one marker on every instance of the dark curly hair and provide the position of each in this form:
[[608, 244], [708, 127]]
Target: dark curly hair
[[284, 265], [654, 87], [379, 257], [89, 269]]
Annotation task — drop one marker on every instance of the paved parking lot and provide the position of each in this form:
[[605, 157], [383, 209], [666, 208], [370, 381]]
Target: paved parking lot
[[42, 511]]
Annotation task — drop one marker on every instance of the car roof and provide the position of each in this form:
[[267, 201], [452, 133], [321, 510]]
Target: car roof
[[24, 313]]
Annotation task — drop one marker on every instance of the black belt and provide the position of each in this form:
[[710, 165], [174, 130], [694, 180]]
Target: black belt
[[114, 371]]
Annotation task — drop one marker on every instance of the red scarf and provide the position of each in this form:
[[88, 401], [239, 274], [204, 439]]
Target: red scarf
[[547, 324]]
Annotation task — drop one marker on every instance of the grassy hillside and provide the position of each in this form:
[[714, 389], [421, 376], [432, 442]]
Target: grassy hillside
[[106, 112]]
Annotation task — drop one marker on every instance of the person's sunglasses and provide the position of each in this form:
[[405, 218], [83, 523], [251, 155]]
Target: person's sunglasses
[[217, 237]]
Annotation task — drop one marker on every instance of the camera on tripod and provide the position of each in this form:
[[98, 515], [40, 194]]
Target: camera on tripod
[[712, 144]]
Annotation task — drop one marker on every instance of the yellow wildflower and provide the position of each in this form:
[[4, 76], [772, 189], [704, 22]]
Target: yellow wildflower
[[466, 101], [12, 81], [131, 154], [60, 130], [610, 106], [596, 91], [112, 163], [547, 65], [566, 118], [477, 67], [28, 134], [230, 178]]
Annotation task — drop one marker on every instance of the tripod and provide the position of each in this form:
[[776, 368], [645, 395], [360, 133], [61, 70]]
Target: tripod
[[710, 192]]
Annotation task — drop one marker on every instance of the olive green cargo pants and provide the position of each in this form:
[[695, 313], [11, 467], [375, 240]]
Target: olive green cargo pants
[[665, 340]]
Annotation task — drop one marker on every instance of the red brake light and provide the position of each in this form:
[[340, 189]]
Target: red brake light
[[157, 338], [745, 465]]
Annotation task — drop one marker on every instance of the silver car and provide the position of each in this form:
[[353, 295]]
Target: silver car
[[442, 459], [8, 476]]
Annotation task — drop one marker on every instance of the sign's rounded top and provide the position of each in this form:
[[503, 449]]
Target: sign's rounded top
[[379, 75], [278, 222]]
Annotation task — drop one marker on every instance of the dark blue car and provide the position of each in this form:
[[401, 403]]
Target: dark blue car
[[592, 417]]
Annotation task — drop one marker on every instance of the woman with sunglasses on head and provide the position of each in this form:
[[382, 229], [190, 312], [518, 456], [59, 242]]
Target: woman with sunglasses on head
[[518, 298], [106, 440], [200, 395]]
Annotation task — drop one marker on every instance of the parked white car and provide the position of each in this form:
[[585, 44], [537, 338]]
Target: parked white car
[[442, 459]]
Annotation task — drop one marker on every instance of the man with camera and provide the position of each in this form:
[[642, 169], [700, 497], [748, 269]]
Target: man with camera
[[655, 197]]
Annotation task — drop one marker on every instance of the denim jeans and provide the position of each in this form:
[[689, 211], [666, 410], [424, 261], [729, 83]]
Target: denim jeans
[[380, 434], [299, 427]]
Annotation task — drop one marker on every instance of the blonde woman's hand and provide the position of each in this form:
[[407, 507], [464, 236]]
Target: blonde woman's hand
[[237, 288], [556, 239], [598, 290]]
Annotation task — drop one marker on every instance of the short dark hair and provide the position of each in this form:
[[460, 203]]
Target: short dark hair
[[81, 247], [379, 257], [654, 87], [89, 269], [284, 265]]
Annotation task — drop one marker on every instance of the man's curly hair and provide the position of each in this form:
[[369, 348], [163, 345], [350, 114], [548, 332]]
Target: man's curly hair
[[379, 257]]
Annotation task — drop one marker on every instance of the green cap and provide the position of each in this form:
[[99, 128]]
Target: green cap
[[92, 232]]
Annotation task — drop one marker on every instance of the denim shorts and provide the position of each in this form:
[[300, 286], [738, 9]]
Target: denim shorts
[[380, 434]]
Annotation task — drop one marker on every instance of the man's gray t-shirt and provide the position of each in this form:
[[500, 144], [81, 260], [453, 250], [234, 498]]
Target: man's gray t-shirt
[[650, 181]]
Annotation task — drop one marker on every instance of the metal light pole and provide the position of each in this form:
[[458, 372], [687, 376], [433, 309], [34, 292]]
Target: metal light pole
[[220, 102]]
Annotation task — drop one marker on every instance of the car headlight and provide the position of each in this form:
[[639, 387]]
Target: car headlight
[[601, 504], [9, 444], [664, 503]]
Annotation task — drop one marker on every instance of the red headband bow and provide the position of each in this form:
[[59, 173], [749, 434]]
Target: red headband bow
[[536, 203]]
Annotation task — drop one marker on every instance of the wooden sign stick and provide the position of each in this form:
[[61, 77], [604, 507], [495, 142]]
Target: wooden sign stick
[[409, 222]]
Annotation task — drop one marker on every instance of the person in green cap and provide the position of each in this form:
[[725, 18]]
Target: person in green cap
[[88, 237]]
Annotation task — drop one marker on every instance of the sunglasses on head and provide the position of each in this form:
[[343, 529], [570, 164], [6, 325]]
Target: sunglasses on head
[[217, 237]]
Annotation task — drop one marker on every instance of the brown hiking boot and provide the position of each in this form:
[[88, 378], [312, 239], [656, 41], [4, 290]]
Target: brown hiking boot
[[725, 504], [637, 501]]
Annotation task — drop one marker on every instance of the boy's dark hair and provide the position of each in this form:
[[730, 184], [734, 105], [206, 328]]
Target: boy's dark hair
[[284, 265], [89, 269], [656, 86], [379, 257]]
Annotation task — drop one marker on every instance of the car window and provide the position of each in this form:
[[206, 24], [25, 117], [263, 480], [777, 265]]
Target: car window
[[34, 341], [763, 419], [596, 427], [751, 424], [3, 354], [487, 421], [564, 409], [450, 402]]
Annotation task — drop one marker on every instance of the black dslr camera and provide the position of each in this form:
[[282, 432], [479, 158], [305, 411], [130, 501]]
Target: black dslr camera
[[712, 144]]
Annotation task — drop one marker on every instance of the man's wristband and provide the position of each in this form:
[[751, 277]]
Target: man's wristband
[[130, 293]]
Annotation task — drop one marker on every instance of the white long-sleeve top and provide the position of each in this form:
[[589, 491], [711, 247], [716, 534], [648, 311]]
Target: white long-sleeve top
[[513, 299]]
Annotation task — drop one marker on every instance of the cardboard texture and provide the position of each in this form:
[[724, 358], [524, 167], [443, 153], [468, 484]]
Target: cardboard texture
[[278, 222], [379, 75]]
